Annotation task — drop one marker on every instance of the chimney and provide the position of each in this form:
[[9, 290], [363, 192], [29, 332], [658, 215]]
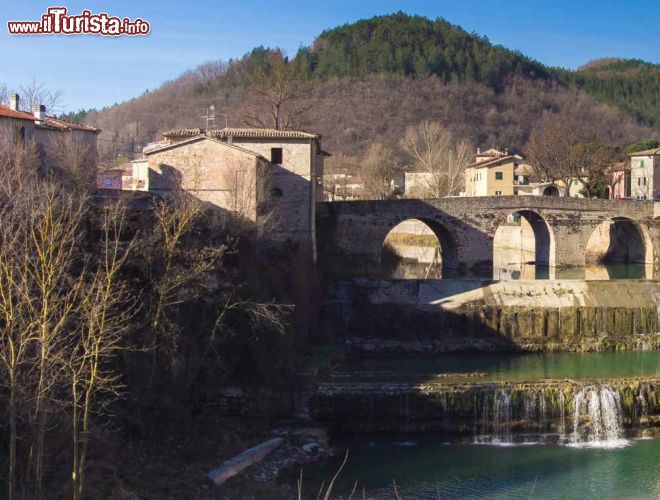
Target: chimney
[[14, 101], [478, 150], [39, 112]]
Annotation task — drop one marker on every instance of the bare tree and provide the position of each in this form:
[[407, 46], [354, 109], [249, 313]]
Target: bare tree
[[555, 149], [19, 163], [378, 170], [73, 161], [35, 93], [51, 293], [276, 83], [433, 151], [107, 307], [16, 340]]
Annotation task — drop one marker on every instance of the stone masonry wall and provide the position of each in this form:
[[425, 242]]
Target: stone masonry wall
[[356, 229]]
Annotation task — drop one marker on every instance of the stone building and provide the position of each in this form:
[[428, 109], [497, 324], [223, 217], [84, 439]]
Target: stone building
[[46, 131], [271, 177], [645, 174]]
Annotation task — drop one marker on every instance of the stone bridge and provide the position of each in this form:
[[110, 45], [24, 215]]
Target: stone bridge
[[564, 228]]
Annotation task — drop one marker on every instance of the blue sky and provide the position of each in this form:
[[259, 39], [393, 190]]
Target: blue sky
[[95, 71]]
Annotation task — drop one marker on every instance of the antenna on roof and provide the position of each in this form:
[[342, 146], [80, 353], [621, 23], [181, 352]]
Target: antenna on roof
[[210, 117]]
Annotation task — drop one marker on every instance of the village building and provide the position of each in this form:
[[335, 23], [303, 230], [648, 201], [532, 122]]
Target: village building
[[46, 131], [494, 173], [645, 174], [619, 187], [270, 177], [499, 173]]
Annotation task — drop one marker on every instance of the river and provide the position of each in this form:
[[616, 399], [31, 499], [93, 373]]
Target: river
[[552, 425], [425, 467]]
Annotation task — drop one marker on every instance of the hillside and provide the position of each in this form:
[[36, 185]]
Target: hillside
[[415, 46], [631, 85], [367, 81]]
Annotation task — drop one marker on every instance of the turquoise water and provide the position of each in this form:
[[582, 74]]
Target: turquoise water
[[428, 468], [506, 367]]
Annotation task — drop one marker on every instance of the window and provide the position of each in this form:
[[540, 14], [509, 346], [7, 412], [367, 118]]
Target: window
[[498, 193], [499, 176], [644, 182], [639, 181], [276, 156], [641, 163]]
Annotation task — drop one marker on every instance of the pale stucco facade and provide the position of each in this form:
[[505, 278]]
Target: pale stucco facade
[[490, 179], [645, 175]]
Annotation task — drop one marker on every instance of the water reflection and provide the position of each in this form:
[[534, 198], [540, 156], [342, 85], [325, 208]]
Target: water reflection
[[591, 272], [504, 270], [433, 469]]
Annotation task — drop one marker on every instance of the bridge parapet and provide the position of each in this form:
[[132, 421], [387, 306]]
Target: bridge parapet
[[465, 226]]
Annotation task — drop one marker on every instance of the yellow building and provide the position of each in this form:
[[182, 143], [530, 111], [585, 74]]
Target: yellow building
[[492, 174]]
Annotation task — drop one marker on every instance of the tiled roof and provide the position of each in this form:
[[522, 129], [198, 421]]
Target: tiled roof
[[648, 152], [193, 139], [10, 113], [51, 122], [256, 133], [495, 161], [67, 125]]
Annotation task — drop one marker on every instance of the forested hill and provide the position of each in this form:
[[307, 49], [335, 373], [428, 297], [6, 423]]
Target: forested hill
[[367, 81], [632, 85], [414, 45]]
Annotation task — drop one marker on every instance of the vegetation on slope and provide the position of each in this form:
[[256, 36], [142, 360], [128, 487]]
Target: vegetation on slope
[[415, 45], [631, 85], [368, 81]]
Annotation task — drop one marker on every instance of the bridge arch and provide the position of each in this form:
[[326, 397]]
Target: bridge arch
[[525, 238], [619, 240], [423, 241]]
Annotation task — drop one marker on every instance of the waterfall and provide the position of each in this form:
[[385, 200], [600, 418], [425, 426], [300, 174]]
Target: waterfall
[[543, 411], [588, 415], [502, 417], [597, 418], [562, 416]]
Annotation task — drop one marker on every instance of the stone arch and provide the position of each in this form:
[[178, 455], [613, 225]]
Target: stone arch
[[526, 238], [619, 240], [551, 190], [446, 260]]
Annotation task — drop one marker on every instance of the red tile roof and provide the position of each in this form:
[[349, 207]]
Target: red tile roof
[[495, 161], [50, 122], [10, 113], [67, 125]]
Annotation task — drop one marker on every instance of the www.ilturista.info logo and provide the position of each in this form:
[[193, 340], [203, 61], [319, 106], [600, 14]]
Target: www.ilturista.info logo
[[56, 21]]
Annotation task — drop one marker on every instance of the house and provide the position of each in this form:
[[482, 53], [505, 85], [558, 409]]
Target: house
[[645, 174], [493, 173], [115, 178], [271, 177], [46, 131], [498, 173], [620, 181]]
